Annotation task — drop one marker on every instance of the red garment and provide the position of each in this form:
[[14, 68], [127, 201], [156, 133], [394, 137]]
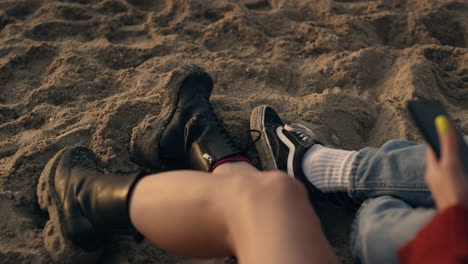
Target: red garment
[[443, 240]]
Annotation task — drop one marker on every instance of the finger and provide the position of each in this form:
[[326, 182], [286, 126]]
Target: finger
[[431, 158], [448, 138], [431, 166]]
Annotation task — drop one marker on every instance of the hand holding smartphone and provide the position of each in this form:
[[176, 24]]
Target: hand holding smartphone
[[424, 114]]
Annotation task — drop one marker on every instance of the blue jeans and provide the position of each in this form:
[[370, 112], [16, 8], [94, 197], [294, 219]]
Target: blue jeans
[[396, 200]]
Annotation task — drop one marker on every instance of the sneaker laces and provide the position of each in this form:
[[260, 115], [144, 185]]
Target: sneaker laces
[[252, 144], [304, 132]]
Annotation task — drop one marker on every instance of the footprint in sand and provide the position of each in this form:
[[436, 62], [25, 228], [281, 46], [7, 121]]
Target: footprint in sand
[[442, 27], [263, 5], [24, 72], [112, 7], [22, 9], [450, 70], [61, 30], [149, 5], [71, 13]]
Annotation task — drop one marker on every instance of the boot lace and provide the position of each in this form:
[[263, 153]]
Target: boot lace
[[220, 126]]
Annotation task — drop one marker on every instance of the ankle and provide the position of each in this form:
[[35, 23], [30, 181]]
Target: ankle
[[237, 163], [329, 169]]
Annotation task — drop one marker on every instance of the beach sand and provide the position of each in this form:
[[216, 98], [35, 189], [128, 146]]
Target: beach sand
[[86, 72]]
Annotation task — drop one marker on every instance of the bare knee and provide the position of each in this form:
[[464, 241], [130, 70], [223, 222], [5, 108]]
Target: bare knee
[[273, 187], [263, 196]]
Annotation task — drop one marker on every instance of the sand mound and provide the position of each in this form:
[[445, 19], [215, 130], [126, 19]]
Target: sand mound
[[88, 71]]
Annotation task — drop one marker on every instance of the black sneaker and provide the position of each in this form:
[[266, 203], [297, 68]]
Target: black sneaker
[[283, 146]]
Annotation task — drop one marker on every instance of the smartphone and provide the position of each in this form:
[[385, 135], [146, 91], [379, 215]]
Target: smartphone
[[424, 114]]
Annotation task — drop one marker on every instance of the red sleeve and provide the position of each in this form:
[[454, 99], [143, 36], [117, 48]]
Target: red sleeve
[[443, 240]]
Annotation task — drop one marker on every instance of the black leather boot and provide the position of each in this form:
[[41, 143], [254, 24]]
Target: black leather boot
[[194, 134], [85, 205], [191, 136]]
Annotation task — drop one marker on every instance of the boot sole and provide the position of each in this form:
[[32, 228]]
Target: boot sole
[[54, 236], [146, 136], [263, 145]]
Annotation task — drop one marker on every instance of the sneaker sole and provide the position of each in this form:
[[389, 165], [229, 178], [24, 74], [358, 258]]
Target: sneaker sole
[[55, 239], [263, 145]]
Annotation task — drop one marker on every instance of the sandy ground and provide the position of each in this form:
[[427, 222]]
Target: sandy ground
[[88, 71]]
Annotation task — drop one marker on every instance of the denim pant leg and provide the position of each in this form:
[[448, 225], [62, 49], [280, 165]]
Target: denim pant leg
[[395, 169], [391, 182], [383, 225]]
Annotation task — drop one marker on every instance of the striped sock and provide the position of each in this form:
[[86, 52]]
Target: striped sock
[[328, 169]]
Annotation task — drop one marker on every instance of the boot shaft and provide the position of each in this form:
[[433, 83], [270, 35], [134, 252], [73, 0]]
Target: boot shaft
[[104, 199], [207, 142]]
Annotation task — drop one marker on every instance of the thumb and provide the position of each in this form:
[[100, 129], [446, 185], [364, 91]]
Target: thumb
[[448, 138]]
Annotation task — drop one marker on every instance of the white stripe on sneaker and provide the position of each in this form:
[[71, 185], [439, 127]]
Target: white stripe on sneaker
[[292, 149]]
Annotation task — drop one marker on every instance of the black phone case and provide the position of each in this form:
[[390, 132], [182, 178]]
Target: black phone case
[[424, 114]]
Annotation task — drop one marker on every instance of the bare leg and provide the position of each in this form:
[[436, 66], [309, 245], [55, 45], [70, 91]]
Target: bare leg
[[235, 167], [260, 217]]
